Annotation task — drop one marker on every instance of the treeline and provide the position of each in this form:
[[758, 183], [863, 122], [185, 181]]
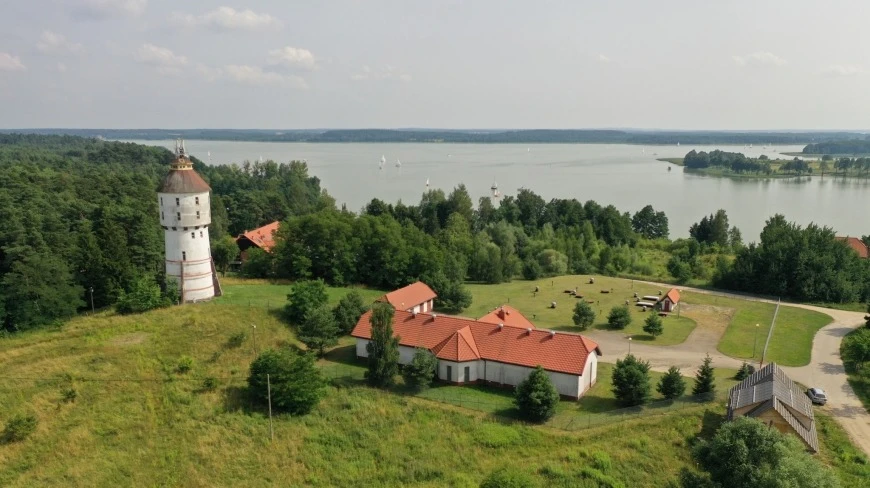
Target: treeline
[[805, 264], [732, 161], [445, 241], [529, 136], [79, 219], [848, 146]]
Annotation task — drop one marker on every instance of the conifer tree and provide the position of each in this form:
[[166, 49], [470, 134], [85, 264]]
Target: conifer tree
[[536, 397], [383, 348], [631, 381], [653, 325], [319, 329], [704, 379], [672, 384]]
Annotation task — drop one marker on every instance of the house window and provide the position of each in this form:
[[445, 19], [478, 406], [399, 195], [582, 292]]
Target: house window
[[449, 373], [197, 200], [467, 373], [183, 256], [197, 214], [177, 215], [193, 235], [177, 202]]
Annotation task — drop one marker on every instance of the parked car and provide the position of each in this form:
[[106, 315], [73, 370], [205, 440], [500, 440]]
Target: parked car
[[817, 396]]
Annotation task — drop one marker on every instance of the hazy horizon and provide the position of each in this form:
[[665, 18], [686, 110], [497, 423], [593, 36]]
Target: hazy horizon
[[683, 65]]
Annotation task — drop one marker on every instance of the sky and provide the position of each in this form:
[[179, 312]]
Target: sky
[[669, 64]]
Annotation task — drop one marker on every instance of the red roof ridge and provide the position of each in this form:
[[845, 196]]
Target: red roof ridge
[[263, 237], [855, 243]]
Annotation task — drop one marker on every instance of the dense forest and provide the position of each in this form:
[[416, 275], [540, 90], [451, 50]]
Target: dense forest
[[530, 136], [78, 222], [848, 146]]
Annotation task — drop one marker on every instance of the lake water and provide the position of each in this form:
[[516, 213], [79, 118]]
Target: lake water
[[627, 176]]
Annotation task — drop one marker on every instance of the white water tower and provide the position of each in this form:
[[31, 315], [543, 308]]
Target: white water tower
[[185, 216]]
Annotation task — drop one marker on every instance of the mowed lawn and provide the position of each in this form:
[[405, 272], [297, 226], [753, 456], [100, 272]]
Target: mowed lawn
[[138, 421], [520, 295], [792, 340]]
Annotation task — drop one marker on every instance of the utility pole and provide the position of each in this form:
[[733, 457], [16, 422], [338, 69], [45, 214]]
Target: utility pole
[[254, 337], [92, 300], [769, 334], [269, 393], [755, 341], [629, 345]]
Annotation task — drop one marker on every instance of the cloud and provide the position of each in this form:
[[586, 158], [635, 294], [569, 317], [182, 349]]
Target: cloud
[[842, 70], [208, 73], [9, 62], [255, 75], [386, 73], [227, 18], [104, 9], [759, 58], [61, 68], [292, 56], [53, 43], [603, 58], [166, 61]]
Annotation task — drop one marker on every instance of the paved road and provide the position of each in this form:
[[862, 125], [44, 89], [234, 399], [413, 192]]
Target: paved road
[[824, 371]]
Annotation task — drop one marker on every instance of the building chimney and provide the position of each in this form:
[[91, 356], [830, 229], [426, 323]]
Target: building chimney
[[529, 331], [552, 333], [500, 326], [434, 316]]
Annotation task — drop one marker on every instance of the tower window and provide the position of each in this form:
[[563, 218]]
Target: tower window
[[177, 202], [177, 215], [193, 235], [200, 233], [197, 214], [161, 201], [197, 200], [161, 216], [183, 256]]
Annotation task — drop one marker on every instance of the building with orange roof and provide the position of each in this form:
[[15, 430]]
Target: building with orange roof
[[670, 301], [261, 238], [508, 316], [856, 244], [471, 351], [416, 297]]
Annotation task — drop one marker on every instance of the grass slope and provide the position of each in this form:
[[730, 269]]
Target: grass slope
[[138, 421], [792, 340]]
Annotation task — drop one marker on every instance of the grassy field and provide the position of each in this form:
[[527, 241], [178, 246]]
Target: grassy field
[[792, 340], [859, 380], [535, 306], [136, 420]]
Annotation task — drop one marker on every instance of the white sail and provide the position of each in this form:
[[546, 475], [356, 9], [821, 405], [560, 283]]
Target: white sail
[[398, 163]]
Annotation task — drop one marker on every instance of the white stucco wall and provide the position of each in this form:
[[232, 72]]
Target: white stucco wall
[[511, 374], [457, 373], [406, 354], [187, 242], [590, 372]]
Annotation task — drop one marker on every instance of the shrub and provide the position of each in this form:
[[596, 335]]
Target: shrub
[[144, 295], [69, 394], [19, 427], [304, 296], [236, 339], [653, 325], [619, 317], [744, 372], [421, 371], [296, 383], [631, 381], [532, 269], [672, 384], [209, 383], [583, 316], [185, 364], [348, 311], [536, 397], [508, 477]]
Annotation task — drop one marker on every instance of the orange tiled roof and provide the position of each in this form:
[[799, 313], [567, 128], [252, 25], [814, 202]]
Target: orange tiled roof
[[409, 296], [507, 315], [263, 237], [674, 295], [856, 244], [458, 347], [562, 352]]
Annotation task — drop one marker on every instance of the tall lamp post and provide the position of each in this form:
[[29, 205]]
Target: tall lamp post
[[629, 345], [91, 289], [755, 341]]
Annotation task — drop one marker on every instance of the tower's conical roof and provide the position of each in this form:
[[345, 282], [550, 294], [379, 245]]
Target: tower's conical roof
[[182, 178]]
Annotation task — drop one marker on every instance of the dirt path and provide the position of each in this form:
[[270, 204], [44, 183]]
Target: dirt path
[[824, 371]]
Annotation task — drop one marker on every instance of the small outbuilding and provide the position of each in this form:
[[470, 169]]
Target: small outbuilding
[[670, 301], [772, 397], [260, 238], [416, 297]]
